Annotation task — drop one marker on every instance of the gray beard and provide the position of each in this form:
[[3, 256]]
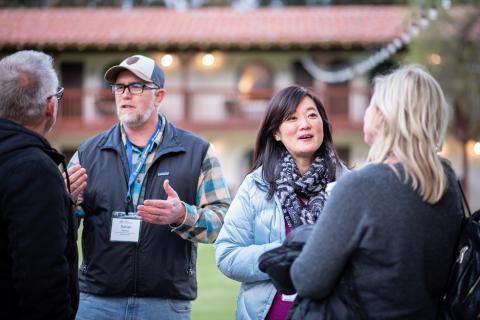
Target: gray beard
[[138, 119]]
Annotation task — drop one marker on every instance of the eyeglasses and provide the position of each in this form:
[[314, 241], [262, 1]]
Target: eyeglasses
[[58, 94], [133, 88]]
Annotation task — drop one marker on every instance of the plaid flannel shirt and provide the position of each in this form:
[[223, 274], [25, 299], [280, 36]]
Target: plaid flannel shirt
[[204, 218]]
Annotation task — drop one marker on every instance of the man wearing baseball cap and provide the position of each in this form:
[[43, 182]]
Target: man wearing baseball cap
[[153, 192]]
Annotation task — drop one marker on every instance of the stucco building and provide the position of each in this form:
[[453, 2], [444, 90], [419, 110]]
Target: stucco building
[[222, 66]]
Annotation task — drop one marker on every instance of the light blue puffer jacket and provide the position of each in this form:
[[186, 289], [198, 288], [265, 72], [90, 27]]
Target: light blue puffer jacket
[[252, 226]]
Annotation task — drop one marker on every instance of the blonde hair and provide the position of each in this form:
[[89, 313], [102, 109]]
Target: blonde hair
[[416, 117]]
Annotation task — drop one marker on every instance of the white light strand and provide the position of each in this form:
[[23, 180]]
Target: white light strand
[[446, 4], [433, 13], [379, 56]]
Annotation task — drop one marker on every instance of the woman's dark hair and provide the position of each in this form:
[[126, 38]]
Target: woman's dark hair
[[268, 152]]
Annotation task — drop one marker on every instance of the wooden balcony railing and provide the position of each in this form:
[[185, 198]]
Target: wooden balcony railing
[[199, 109]]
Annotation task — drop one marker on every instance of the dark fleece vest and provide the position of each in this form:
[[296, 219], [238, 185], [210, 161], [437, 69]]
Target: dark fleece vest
[[161, 264]]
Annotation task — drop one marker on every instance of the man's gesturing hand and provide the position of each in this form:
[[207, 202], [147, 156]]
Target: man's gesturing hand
[[78, 180], [170, 211]]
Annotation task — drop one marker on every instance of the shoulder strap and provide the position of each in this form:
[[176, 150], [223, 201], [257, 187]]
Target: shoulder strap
[[464, 198]]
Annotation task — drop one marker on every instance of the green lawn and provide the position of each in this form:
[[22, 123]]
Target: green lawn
[[216, 293]]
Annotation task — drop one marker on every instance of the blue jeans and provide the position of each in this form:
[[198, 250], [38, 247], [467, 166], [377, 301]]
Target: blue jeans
[[93, 307]]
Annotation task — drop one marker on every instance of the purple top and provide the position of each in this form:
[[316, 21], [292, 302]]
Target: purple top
[[279, 308]]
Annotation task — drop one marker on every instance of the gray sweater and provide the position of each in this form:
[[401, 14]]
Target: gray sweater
[[396, 248]]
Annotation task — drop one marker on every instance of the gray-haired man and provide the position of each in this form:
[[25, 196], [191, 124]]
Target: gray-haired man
[[38, 252]]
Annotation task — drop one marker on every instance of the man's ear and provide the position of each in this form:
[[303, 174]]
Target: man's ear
[[50, 109], [159, 95]]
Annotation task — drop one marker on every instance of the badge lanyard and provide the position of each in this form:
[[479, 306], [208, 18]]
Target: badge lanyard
[[141, 161]]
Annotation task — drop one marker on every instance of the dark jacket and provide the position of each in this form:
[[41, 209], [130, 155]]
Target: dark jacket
[[342, 304], [161, 264], [38, 252]]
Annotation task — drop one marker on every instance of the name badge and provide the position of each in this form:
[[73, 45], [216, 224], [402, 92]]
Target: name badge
[[289, 297], [125, 227]]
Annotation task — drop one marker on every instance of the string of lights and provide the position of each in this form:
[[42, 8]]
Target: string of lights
[[417, 23]]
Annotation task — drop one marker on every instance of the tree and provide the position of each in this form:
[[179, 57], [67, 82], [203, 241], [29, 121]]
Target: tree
[[450, 48]]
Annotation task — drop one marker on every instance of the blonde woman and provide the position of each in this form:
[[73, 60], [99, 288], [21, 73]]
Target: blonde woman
[[393, 240]]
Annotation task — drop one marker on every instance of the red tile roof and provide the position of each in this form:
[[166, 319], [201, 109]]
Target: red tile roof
[[142, 28]]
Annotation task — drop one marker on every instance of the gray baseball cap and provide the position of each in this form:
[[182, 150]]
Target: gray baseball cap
[[141, 66]]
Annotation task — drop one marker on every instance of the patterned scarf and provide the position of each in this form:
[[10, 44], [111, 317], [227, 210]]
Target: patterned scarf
[[311, 186]]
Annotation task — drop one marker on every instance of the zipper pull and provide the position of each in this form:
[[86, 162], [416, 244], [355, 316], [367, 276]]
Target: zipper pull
[[462, 254]]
